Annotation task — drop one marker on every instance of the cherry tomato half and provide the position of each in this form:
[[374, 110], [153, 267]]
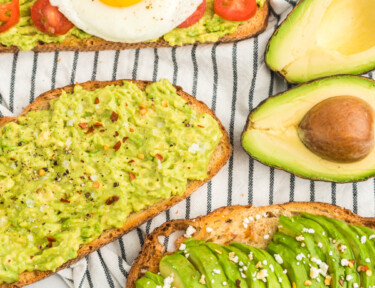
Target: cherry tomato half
[[49, 19], [9, 15], [196, 16], [236, 10]]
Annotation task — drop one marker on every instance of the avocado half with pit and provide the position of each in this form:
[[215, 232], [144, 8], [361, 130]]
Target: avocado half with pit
[[322, 38], [323, 130]]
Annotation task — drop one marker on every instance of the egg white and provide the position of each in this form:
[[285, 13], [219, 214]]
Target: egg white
[[146, 20]]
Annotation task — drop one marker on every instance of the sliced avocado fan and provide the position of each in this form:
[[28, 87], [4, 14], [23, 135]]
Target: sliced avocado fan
[[273, 133], [306, 251], [324, 38]]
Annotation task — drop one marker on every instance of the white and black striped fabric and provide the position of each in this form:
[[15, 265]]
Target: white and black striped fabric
[[232, 79]]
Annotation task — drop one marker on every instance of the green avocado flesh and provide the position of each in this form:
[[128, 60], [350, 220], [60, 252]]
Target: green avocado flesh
[[271, 134], [306, 251], [323, 38], [84, 165], [210, 28]]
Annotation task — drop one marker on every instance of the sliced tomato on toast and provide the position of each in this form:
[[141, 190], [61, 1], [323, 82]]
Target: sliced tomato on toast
[[236, 10], [49, 19], [196, 16], [9, 15]]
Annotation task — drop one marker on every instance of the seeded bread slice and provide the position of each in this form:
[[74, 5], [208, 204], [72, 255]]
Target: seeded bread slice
[[228, 226], [254, 26], [218, 160]]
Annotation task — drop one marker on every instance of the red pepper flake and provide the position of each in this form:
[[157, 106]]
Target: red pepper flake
[[116, 134], [131, 130], [9, 260], [90, 130], [97, 101], [64, 200], [124, 139], [31, 257], [111, 200], [102, 131], [83, 125], [131, 161], [200, 126], [341, 282], [98, 124], [12, 159], [51, 239], [114, 116], [126, 104], [159, 157], [49, 245], [363, 268], [117, 146], [96, 185], [132, 176]]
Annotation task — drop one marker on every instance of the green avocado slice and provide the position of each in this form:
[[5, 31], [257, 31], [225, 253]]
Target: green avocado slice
[[208, 265], [339, 244], [336, 271], [271, 133], [230, 268], [249, 270], [296, 273], [280, 279], [159, 280], [181, 270], [322, 38], [145, 282], [301, 256], [360, 250]]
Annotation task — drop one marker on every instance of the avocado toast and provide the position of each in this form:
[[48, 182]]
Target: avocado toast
[[26, 35], [104, 186], [264, 245]]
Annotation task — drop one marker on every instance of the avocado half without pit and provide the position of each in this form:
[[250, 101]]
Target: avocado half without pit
[[323, 130], [322, 38]]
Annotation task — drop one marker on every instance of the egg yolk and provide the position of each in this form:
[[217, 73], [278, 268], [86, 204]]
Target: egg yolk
[[120, 3]]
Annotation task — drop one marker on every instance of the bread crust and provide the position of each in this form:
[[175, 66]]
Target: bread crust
[[227, 226], [219, 158], [251, 28]]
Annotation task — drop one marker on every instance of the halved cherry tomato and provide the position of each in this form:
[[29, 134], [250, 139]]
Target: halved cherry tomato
[[196, 16], [9, 15], [49, 19], [236, 10]]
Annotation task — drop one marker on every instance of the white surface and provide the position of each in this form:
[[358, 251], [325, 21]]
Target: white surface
[[51, 282]]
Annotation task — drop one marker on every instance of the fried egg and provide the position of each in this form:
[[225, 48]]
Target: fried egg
[[128, 21]]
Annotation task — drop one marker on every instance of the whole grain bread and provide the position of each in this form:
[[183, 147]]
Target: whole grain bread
[[227, 226], [251, 28], [218, 160]]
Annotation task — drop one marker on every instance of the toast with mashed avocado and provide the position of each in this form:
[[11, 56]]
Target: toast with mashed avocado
[[85, 164], [210, 28], [297, 244]]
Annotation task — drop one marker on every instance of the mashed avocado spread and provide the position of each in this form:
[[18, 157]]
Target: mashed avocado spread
[[81, 167], [209, 29]]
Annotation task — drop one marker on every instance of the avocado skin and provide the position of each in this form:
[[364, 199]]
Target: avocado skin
[[333, 233], [361, 251], [279, 73], [247, 126], [231, 269], [262, 255]]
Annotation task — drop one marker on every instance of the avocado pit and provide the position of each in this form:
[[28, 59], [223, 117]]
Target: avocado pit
[[339, 129]]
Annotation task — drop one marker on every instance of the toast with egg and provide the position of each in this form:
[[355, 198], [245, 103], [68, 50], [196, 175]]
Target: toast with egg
[[227, 225], [218, 159], [248, 29]]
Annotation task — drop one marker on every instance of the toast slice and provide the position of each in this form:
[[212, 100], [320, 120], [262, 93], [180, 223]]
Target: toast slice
[[219, 158], [251, 28], [227, 226]]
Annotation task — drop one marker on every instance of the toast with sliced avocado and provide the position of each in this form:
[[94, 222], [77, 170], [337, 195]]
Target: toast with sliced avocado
[[210, 28], [85, 164], [297, 244]]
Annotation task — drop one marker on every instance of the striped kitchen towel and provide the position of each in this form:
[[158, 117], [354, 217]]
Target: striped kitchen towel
[[232, 79]]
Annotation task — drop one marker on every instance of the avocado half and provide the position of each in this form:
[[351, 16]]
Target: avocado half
[[271, 133], [322, 38]]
